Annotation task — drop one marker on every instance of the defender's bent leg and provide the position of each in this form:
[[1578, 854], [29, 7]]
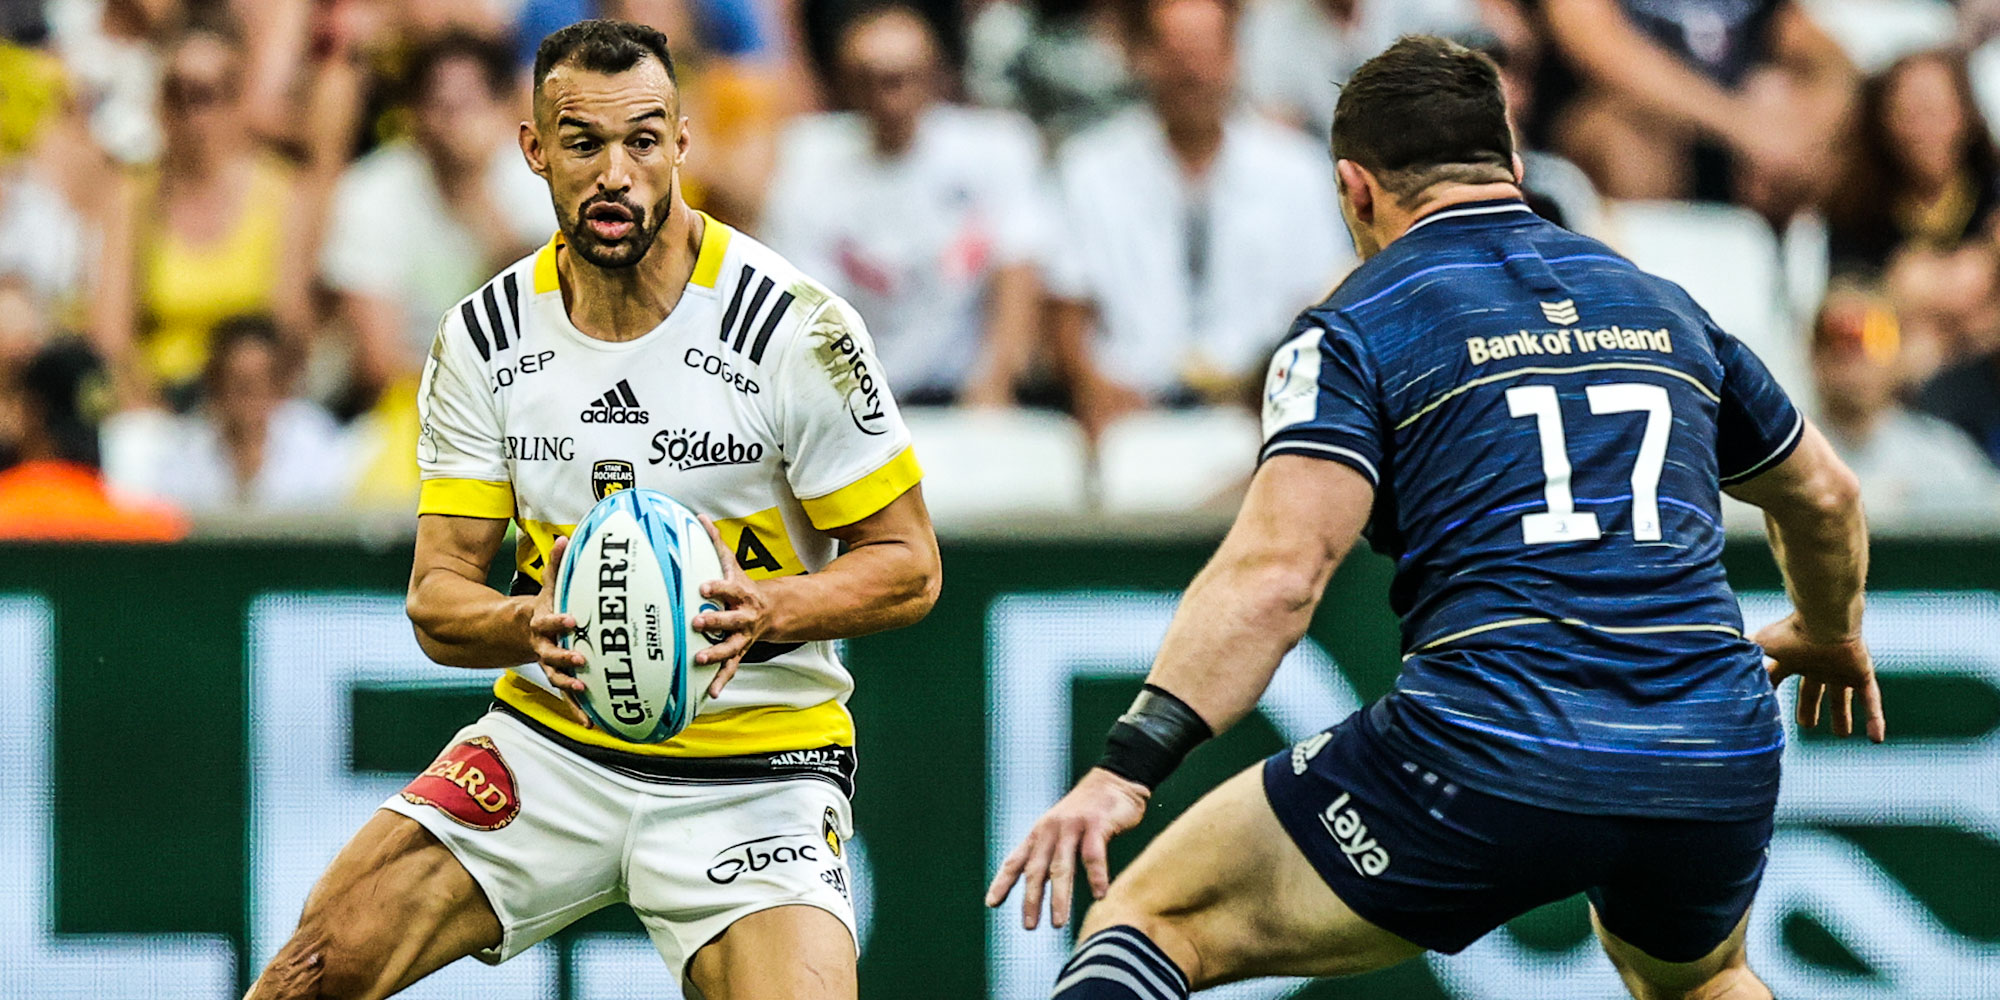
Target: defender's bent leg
[[784, 953], [1722, 974], [393, 907], [1225, 895]]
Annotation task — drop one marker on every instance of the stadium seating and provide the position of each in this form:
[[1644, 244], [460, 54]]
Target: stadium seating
[[984, 463], [1163, 462]]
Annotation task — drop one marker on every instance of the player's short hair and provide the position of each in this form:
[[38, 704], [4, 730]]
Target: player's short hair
[[1427, 111], [602, 46], [495, 62]]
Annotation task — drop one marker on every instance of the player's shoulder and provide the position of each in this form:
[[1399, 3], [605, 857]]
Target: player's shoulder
[[492, 318], [768, 303]]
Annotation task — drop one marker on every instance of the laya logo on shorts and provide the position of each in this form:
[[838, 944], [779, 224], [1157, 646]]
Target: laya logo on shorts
[[756, 855], [1344, 825], [1307, 749], [469, 783]]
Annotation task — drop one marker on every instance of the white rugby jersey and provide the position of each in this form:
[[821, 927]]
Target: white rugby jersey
[[758, 401]]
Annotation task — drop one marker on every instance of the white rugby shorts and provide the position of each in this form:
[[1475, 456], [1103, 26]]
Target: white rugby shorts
[[551, 837]]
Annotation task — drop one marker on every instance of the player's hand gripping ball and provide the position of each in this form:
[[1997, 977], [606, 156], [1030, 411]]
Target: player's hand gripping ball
[[632, 579]]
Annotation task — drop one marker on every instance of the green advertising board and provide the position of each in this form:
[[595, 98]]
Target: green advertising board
[[190, 732]]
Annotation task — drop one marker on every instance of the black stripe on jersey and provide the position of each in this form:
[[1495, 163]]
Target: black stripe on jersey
[[513, 287], [770, 325], [625, 390], [735, 304], [756, 301], [493, 313], [471, 317]]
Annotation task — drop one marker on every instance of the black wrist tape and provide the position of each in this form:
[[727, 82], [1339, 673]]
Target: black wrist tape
[[1152, 738]]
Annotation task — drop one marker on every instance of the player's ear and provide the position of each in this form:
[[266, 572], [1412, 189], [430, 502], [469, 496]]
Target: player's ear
[[683, 137], [1520, 169], [1357, 188], [531, 150]]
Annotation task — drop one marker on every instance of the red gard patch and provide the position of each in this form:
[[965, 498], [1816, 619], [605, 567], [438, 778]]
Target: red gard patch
[[471, 784]]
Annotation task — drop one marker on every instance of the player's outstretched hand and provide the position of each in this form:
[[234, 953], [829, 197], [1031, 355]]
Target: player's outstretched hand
[[546, 630], [1840, 667], [1100, 807], [745, 614]]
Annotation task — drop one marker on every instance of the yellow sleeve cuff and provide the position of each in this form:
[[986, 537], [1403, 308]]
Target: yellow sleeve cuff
[[866, 495], [466, 498]]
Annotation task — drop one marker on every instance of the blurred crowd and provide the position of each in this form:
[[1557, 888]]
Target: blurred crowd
[[228, 227]]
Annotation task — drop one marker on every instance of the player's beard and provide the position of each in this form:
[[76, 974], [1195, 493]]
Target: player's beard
[[625, 251]]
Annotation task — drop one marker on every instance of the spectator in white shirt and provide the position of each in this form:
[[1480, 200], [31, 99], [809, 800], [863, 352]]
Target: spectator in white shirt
[[1193, 230], [419, 223], [1297, 52], [926, 216], [1913, 467], [245, 448]]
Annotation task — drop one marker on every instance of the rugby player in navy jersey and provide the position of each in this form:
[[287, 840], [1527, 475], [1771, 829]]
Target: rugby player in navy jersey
[[1539, 434]]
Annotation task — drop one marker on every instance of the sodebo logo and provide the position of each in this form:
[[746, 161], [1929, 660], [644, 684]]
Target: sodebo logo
[[756, 855]]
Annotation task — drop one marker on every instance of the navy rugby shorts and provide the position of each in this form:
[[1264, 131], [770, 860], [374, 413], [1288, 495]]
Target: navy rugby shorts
[[1441, 865]]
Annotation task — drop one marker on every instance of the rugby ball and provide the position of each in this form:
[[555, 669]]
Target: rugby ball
[[632, 579]]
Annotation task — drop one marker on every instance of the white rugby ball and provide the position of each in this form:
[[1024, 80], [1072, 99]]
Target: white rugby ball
[[632, 580]]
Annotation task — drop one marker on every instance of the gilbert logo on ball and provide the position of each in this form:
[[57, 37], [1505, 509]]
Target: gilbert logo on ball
[[632, 580]]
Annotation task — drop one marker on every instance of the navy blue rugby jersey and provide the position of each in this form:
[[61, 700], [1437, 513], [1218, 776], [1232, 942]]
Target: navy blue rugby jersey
[[1548, 429]]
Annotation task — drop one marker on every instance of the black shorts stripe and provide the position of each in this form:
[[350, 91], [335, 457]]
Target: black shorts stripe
[[770, 325]]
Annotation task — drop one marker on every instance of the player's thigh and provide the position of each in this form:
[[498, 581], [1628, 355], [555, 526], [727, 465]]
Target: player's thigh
[[1722, 974], [796, 952], [744, 888], [1672, 912], [394, 906], [1226, 893]]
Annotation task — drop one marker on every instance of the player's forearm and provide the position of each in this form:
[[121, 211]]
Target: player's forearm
[[1822, 548], [460, 623], [1241, 615], [870, 588]]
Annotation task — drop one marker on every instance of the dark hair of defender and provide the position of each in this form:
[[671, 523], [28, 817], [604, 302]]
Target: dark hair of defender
[[602, 46], [1427, 111], [495, 62]]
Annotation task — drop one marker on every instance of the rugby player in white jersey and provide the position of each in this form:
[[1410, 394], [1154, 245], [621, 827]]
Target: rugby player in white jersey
[[647, 345]]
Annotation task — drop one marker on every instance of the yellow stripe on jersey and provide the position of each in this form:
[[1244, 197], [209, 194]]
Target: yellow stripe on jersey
[[531, 549], [753, 729], [466, 498], [866, 495], [762, 546], [546, 279], [714, 243]]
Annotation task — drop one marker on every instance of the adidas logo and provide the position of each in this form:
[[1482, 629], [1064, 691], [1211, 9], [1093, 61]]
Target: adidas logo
[[1560, 313], [616, 406]]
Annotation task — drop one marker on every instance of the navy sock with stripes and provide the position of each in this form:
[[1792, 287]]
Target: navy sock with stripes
[[1120, 963]]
